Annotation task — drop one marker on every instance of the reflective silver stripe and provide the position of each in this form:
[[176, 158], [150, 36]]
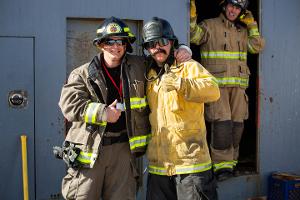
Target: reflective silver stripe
[[233, 81], [91, 114], [139, 141], [193, 168], [136, 102], [223, 55], [91, 111], [181, 170]]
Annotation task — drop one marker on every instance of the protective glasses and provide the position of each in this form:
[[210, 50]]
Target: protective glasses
[[111, 42], [152, 44]]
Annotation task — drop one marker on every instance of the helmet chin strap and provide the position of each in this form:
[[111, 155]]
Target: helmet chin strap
[[170, 60]]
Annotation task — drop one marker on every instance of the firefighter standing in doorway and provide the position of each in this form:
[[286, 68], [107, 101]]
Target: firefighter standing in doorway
[[179, 162], [106, 103], [224, 42]]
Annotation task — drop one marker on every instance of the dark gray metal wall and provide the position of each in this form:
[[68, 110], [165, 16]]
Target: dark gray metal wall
[[280, 87], [46, 22], [17, 112]]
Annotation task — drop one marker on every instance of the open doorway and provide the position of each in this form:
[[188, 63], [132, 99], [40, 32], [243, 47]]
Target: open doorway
[[248, 159]]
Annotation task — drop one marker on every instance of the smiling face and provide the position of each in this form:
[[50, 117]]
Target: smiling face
[[232, 12], [160, 50], [113, 49]]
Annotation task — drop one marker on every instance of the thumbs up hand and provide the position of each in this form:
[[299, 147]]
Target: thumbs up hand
[[112, 113]]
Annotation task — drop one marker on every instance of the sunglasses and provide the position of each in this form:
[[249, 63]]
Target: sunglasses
[[111, 42], [152, 44]]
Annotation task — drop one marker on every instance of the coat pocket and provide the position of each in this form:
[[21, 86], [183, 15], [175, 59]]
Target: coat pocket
[[78, 133], [244, 71], [218, 70]]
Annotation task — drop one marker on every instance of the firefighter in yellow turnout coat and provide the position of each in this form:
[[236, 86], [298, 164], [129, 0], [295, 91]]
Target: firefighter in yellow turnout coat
[[224, 42], [178, 154]]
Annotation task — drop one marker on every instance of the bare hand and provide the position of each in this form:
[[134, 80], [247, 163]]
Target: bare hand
[[112, 113]]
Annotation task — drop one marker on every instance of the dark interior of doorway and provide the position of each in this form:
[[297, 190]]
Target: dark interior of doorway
[[248, 147]]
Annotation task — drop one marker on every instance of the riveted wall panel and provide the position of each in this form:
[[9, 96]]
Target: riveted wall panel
[[16, 115]]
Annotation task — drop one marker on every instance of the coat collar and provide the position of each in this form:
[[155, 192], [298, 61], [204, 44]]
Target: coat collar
[[226, 22], [95, 66]]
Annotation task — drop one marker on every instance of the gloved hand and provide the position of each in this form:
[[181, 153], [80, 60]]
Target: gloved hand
[[183, 53], [170, 82], [193, 11], [247, 18]]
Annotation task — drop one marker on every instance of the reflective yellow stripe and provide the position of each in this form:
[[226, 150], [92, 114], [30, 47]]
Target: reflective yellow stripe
[[127, 30], [91, 114], [215, 81], [136, 102], [235, 162], [157, 170], [197, 33], [233, 81], [253, 32], [200, 30], [224, 165], [139, 141], [250, 48], [223, 55], [181, 170], [85, 158]]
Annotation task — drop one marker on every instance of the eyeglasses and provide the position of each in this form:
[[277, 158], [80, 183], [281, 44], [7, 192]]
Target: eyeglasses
[[111, 42], [152, 44]]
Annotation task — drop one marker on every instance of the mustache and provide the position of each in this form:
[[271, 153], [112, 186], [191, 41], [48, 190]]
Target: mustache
[[159, 50]]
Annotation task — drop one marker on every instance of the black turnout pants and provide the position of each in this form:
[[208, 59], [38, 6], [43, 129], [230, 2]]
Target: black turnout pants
[[197, 186]]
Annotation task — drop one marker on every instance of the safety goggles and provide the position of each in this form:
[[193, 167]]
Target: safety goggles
[[111, 42], [152, 44]]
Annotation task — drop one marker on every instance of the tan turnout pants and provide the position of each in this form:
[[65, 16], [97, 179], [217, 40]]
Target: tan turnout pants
[[113, 177], [232, 105]]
